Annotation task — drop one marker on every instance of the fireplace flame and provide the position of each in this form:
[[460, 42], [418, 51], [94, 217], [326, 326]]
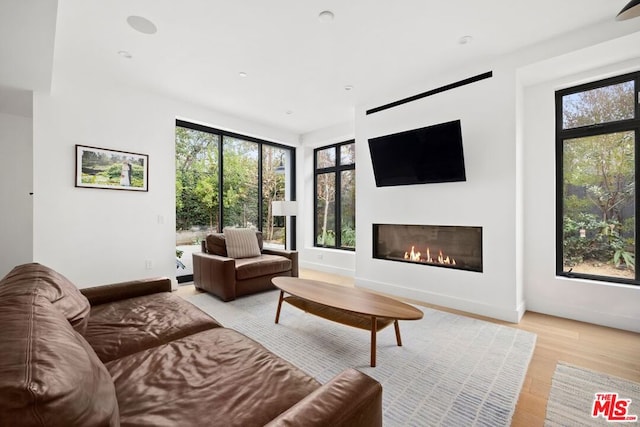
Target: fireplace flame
[[417, 257]]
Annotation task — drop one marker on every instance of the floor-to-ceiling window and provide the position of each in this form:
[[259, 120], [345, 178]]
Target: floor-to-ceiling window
[[240, 165], [597, 130], [227, 180], [275, 175], [335, 196]]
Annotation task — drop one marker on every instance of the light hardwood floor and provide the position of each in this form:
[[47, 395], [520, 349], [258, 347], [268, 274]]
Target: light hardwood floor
[[607, 350]]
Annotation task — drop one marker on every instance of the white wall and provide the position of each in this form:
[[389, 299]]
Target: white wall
[[497, 292], [508, 191], [595, 302], [487, 199], [328, 260], [16, 208], [98, 236]]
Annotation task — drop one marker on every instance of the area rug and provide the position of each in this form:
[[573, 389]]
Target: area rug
[[574, 390], [451, 370]]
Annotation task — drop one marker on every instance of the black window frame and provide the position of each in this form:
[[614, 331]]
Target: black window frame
[[221, 134], [337, 170], [627, 125]]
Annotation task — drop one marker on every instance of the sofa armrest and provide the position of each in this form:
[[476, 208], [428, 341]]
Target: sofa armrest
[[292, 255], [350, 399], [118, 291], [215, 274]]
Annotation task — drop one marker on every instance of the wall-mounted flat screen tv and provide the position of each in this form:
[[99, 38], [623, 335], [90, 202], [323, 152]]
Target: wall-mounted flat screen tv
[[419, 156]]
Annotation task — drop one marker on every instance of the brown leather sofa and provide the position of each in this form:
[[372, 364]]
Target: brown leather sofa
[[135, 354], [227, 278]]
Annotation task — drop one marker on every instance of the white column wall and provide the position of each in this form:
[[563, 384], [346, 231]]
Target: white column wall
[[487, 199], [16, 205]]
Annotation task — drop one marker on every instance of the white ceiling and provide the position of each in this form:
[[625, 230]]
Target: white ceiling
[[27, 34], [294, 62]]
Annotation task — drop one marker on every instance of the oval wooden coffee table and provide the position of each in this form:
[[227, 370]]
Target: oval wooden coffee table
[[355, 307]]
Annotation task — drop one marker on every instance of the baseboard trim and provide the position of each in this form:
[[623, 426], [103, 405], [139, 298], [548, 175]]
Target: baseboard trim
[[584, 315], [508, 315], [326, 268]]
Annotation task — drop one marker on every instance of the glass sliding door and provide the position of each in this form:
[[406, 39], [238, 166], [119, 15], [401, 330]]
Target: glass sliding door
[[275, 173], [240, 183], [228, 180], [197, 198]]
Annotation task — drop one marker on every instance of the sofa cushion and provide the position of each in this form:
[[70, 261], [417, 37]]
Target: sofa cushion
[[215, 377], [49, 375], [216, 244], [264, 265], [56, 288], [127, 326], [241, 242]]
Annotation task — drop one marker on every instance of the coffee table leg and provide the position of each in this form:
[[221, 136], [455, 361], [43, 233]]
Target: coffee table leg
[[398, 339], [374, 332], [279, 306]]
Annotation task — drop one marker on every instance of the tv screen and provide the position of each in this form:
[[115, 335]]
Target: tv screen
[[426, 155]]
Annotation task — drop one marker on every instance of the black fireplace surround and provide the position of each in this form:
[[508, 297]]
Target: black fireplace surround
[[457, 247]]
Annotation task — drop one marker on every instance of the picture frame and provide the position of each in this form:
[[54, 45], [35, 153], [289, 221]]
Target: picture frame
[[111, 169]]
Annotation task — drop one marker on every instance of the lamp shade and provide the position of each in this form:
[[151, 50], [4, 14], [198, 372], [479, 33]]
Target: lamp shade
[[284, 208], [631, 10]]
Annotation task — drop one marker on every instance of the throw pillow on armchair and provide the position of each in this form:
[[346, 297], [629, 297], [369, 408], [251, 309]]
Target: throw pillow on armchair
[[241, 242]]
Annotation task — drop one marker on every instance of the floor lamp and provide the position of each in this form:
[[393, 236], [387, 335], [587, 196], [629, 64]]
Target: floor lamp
[[287, 208]]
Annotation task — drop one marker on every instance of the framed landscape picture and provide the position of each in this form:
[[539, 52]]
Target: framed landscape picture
[[111, 169]]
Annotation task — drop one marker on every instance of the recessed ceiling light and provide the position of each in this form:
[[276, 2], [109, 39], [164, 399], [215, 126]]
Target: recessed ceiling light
[[242, 74], [125, 54], [288, 112], [465, 40], [141, 24], [326, 16], [348, 87]]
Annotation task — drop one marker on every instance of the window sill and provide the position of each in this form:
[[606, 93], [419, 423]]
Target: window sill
[[596, 280]]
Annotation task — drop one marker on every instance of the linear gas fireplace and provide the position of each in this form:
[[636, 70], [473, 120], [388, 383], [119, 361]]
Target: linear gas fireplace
[[446, 246]]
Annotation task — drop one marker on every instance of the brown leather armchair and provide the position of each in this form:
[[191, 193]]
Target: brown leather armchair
[[215, 272]]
